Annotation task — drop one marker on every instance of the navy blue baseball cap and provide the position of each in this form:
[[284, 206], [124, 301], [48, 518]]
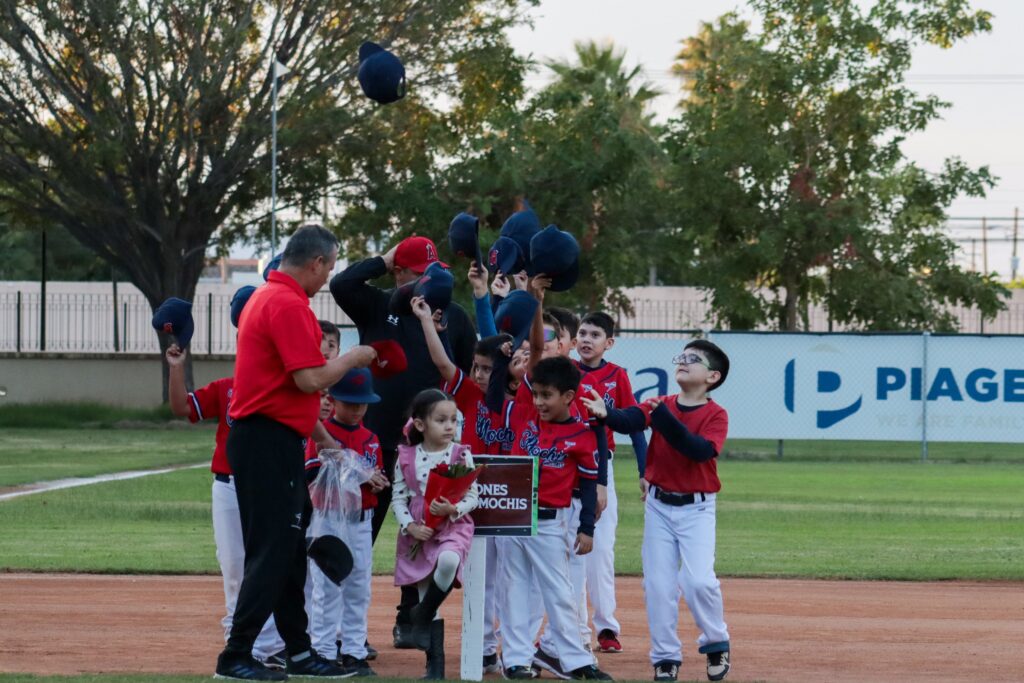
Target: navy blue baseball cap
[[436, 286], [274, 264], [174, 316], [381, 74], [238, 301], [464, 236], [556, 253], [355, 387], [505, 256], [515, 316], [521, 227]]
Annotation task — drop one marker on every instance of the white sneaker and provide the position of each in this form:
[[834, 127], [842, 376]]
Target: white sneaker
[[718, 665]]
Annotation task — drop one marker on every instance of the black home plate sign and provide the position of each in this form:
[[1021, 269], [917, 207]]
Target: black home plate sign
[[508, 496]]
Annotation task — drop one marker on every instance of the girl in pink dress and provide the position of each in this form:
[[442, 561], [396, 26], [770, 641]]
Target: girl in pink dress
[[437, 566]]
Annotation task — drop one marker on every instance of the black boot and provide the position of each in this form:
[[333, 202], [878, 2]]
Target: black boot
[[402, 633], [435, 653], [423, 614]]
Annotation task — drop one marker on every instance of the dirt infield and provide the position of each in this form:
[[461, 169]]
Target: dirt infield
[[782, 630]]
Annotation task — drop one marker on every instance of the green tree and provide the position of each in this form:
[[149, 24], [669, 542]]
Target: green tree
[[789, 174]]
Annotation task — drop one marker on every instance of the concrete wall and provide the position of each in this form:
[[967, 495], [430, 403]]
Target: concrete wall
[[130, 380]]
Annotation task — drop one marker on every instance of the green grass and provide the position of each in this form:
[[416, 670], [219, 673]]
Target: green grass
[[32, 455], [46, 416], [865, 520], [891, 451]]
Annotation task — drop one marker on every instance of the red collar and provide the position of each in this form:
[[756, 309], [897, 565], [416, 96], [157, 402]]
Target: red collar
[[288, 281]]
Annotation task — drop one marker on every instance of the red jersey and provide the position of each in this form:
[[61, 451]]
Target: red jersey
[[670, 470], [611, 382], [567, 452], [207, 403], [359, 439], [278, 334], [483, 430]]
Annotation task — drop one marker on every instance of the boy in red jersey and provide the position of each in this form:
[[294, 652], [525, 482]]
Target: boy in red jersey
[[680, 485], [344, 610]]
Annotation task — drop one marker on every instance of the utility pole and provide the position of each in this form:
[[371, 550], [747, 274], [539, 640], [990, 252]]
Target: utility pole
[[984, 245], [974, 254], [1014, 261]]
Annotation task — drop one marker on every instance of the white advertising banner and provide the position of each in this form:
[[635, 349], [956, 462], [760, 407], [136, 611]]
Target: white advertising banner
[[850, 386]]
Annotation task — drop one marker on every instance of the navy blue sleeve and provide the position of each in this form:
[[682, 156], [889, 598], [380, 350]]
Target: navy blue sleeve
[[484, 316], [360, 301], [588, 506], [602, 453], [494, 397], [679, 437], [640, 448], [626, 420]]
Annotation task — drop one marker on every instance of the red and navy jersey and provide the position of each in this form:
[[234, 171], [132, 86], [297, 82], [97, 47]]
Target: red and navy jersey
[[567, 452], [483, 431], [358, 439], [667, 468], [213, 402], [611, 382]]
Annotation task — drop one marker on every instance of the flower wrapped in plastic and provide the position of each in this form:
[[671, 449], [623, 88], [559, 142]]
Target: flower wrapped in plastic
[[450, 482], [336, 492]]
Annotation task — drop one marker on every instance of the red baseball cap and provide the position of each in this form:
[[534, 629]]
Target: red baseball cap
[[416, 253], [391, 359]]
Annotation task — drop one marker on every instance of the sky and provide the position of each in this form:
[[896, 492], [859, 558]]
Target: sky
[[982, 78]]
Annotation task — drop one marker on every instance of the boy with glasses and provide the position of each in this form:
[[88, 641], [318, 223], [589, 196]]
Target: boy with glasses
[[680, 485]]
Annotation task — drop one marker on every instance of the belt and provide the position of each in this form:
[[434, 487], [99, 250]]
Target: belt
[[678, 499], [226, 478], [576, 493], [547, 513]]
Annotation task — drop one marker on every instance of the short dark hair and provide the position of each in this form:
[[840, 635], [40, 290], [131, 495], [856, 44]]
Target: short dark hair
[[559, 373], [422, 405], [308, 243], [716, 358], [329, 329], [602, 320], [488, 346], [549, 319], [569, 321]]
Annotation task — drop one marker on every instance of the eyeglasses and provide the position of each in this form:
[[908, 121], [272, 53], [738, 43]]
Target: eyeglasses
[[690, 359], [549, 335]]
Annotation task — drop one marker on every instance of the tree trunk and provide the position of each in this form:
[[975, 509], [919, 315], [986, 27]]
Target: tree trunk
[[789, 321]]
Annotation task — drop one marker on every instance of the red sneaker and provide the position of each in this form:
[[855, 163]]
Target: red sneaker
[[608, 641]]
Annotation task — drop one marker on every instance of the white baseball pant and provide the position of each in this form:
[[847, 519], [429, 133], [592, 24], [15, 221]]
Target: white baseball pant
[[577, 579], [546, 557], [342, 612], [227, 536], [679, 560], [600, 564]]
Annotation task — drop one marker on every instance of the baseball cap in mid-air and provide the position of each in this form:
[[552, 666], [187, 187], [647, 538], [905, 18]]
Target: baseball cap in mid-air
[[174, 316], [556, 253], [464, 236], [436, 286], [505, 257], [274, 264], [521, 227], [390, 360], [238, 301], [515, 316], [381, 74], [355, 387], [416, 254]]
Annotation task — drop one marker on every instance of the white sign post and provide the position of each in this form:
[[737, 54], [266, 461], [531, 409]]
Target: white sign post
[[474, 577]]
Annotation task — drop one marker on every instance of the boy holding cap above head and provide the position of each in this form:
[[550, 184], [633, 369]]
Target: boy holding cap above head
[[344, 610]]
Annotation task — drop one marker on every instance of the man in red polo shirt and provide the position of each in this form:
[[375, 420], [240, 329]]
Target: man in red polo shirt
[[279, 372]]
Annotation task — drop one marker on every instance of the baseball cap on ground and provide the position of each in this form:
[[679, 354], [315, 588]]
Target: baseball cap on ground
[[391, 359], [515, 315], [416, 254], [556, 253], [174, 316], [238, 301], [381, 74], [505, 256], [520, 227], [274, 264], [464, 236], [355, 387]]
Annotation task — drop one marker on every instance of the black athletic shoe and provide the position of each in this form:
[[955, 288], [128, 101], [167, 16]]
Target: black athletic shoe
[[402, 635], [315, 666], [371, 653], [666, 671], [277, 661], [359, 666], [550, 663], [589, 673], [718, 665], [245, 669], [518, 672], [491, 665]]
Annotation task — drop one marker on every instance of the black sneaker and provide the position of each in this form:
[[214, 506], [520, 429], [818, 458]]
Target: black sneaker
[[277, 661], [315, 666], [666, 671], [359, 666], [549, 663], [245, 668], [402, 636], [371, 653], [589, 673], [491, 665], [517, 672], [718, 665]]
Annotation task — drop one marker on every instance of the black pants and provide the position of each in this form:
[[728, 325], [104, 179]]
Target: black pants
[[267, 460], [383, 508]]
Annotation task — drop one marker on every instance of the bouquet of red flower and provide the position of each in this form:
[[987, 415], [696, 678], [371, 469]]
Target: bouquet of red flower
[[445, 481]]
